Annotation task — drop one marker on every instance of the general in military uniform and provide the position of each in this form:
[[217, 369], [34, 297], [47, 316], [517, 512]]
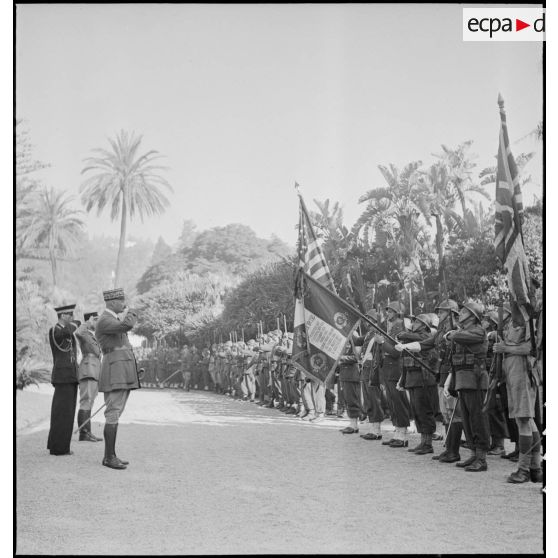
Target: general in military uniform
[[88, 374], [119, 372], [64, 379]]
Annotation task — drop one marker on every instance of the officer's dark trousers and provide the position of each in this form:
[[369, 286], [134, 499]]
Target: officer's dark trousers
[[399, 408], [351, 392], [424, 405], [475, 422], [372, 402], [62, 414]]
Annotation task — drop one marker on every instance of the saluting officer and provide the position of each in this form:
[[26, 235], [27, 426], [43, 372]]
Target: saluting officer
[[471, 382], [119, 374], [88, 374], [64, 379]]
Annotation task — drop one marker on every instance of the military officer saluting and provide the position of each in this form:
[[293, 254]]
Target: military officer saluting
[[88, 374], [64, 379], [119, 374]]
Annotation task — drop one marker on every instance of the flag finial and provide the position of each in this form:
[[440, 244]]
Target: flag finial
[[297, 187], [500, 100]]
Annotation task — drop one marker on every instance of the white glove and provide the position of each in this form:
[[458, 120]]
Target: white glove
[[399, 347], [413, 347]]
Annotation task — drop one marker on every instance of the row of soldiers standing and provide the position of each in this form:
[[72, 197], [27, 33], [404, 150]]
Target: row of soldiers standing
[[446, 399]]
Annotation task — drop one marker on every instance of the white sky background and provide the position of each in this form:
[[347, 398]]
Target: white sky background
[[243, 100]]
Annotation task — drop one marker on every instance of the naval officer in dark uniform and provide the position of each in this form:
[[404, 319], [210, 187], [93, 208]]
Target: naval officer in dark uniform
[[64, 379]]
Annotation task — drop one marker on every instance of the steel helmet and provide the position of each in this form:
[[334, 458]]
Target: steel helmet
[[434, 320], [448, 304], [476, 309], [425, 319], [397, 307]]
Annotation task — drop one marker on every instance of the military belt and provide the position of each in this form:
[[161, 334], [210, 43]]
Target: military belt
[[112, 349]]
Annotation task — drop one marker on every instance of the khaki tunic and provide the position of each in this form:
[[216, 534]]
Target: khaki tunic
[[118, 368]]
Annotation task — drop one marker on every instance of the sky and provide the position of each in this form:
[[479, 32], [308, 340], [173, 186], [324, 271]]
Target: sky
[[245, 100]]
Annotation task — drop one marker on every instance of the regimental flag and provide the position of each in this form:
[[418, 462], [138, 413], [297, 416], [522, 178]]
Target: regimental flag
[[508, 239], [322, 323]]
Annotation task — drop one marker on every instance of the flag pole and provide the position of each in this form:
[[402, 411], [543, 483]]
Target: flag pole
[[367, 319]]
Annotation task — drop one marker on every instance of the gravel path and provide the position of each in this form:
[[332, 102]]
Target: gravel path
[[209, 475]]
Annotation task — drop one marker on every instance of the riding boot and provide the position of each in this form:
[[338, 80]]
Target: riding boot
[[121, 460], [90, 436], [110, 459], [81, 418]]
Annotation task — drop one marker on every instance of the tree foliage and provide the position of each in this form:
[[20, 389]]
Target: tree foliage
[[55, 227], [128, 183], [175, 309], [230, 250]]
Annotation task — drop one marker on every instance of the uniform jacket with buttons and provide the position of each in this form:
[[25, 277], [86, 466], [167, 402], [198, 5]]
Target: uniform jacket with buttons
[[472, 340], [414, 375], [64, 354], [390, 370], [349, 368], [118, 367], [90, 365], [371, 366]]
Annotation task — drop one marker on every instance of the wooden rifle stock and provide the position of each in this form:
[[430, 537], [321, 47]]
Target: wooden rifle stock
[[496, 365]]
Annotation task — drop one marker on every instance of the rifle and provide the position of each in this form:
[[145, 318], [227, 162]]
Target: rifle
[[451, 387], [367, 319], [496, 365]]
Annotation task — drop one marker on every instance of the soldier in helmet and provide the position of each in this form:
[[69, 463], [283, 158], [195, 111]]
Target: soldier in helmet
[[448, 312], [248, 381], [521, 383], [420, 383], [501, 426], [390, 374], [471, 382], [349, 376], [370, 382]]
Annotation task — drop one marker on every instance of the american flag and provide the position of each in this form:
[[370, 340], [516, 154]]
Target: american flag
[[508, 239], [310, 256], [321, 325]]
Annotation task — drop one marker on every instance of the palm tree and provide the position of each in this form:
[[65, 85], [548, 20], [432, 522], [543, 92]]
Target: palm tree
[[397, 213], [55, 226], [459, 179], [127, 182]]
